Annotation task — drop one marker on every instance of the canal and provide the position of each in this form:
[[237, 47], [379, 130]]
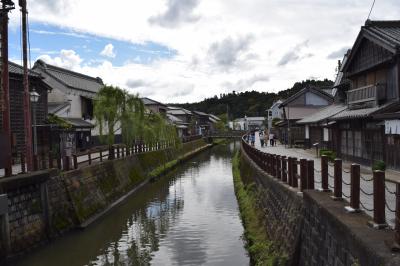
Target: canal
[[189, 217]]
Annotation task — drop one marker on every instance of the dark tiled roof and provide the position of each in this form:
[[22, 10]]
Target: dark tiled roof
[[323, 114], [78, 122], [68, 78], [54, 107], [386, 31], [14, 68], [200, 113], [148, 101], [359, 113]]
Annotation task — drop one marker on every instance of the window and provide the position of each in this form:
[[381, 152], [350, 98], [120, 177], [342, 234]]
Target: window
[[87, 108]]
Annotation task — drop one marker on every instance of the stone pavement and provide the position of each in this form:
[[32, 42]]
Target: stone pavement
[[366, 173]]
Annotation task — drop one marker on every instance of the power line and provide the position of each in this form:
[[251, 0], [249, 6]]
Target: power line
[[370, 11]]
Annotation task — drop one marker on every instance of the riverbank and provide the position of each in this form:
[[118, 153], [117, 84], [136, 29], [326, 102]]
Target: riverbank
[[261, 250], [188, 216], [46, 205]]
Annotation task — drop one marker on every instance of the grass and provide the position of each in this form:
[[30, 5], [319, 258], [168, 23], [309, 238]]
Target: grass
[[261, 250]]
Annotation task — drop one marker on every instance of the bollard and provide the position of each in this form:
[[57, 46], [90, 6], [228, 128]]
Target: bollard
[[284, 168], [310, 174], [118, 155], [337, 183], [324, 174], [59, 164], [397, 220], [354, 189], [290, 171], [101, 156], [303, 174], [379, 221], [295, 180], [75, 161]]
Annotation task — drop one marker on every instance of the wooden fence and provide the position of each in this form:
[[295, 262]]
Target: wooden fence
[[302, 174]]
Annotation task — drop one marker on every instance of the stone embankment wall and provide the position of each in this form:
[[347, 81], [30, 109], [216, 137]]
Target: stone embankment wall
[[43, 205], [312, 229]]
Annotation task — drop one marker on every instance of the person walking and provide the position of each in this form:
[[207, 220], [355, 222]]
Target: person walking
[[271, 139], [261, 135]]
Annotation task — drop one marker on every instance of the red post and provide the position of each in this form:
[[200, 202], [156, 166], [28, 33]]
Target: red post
[[284, 168], [278, 167], [397, 220], [355, 187], [290, 171], [295, 181], [337, 174], [303, 174], [324, 173], [5, 101], [310, 174], [23, 169], [75, 161], [379, 199]]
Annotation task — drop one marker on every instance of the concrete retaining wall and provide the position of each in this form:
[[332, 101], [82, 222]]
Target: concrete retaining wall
[[312, 229], [45, 204]]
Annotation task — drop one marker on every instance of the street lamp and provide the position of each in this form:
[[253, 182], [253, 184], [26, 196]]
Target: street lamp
[[34, 99]]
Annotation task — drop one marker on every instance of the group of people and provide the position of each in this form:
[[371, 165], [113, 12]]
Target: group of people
[[265, 136]]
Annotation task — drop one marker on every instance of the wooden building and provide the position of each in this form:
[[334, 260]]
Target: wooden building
[[71, 99], [300, 105], [17, 113], [154, 106], [373, 72]]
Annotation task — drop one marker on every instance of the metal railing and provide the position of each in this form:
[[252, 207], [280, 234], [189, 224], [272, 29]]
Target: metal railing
[[368, 194]]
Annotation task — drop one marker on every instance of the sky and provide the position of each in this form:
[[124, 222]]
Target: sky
[[177, 51]]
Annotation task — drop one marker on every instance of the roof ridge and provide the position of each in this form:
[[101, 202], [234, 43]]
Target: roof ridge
[[73, 73], [387, 23]]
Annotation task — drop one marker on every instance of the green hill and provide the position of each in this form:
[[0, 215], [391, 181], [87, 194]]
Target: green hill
[[250, 103]]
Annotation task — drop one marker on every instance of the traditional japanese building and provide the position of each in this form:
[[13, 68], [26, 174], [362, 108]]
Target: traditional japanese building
[[154, 106], [373, 72], [304, 103], [17, 112], [71, 99]]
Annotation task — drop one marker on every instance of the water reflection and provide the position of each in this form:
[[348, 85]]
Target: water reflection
[[189, 217]]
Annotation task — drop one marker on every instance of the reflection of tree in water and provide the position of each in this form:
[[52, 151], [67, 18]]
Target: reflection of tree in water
[[145, 228]]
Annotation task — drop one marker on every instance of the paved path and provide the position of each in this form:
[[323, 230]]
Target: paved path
[[366, 174]]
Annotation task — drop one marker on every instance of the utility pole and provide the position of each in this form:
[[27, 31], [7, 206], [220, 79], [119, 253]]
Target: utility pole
[[6, 6], [27, 105]]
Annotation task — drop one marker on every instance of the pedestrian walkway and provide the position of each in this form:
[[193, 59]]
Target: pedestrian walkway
[[366, 183]]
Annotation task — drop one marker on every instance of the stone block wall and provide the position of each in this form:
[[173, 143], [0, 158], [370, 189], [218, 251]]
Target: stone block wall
[[283, 208], [45, 204]]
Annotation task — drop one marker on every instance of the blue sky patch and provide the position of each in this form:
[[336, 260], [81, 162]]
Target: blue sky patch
[[50, 40]]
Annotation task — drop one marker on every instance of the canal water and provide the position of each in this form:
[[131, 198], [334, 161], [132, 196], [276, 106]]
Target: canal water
[[189, 217]]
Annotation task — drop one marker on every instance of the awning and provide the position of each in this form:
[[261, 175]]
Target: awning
[[78, 122]]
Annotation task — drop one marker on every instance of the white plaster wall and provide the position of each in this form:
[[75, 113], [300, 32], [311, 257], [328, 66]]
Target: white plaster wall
[[313, 99]]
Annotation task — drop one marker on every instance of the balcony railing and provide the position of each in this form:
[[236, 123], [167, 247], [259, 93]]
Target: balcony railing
[[367, 94]]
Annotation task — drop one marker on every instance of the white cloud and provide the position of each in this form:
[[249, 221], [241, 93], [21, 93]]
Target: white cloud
[[108, 51], [67, 59], [211, 38]]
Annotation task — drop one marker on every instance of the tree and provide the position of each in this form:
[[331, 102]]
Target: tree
[[116, 109]]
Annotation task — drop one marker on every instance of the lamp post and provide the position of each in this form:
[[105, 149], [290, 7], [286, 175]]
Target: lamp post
[[34, 99]]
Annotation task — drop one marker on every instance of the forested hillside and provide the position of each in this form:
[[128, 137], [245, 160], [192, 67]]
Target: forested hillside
[[250, 103]]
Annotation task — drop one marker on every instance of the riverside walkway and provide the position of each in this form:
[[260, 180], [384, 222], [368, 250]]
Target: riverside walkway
[[366, 184]]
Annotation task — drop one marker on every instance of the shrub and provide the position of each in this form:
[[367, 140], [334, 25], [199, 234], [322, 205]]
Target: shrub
[[331, 154], [379, 165]]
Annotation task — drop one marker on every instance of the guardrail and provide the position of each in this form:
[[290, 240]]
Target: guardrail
[[371, 195], [48, 160]]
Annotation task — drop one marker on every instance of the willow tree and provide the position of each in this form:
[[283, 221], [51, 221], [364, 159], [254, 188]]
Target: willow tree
[[115, 109]]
